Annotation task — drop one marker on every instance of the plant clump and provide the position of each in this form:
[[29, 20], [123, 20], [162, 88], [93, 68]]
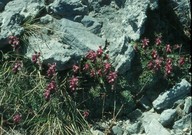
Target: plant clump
[[93, 81], [160, 62], [32, 101], [36, 97]]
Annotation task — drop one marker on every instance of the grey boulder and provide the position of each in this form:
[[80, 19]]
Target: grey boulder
[[152, 126], [167, 117], [117, 130], [188, 105], [14, 15], [92, 24], [67, 43], [183, 126], [67, 8], [167, 99]]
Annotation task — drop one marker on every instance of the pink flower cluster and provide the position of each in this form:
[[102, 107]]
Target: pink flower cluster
[[17, 118], [92, 73], [99, 51], [107, 67], [145, 43], [92, 55], [74, 81], [52, 70], [85, 114], [14, 41], [36, 57], [161, 56], [95, 65], [112, 77], [168, 66], [86, 67], [154, 54], [158, 40], [75, 68], [181, 61], [51, 87], [156, 63], [17, 66], [168, 48]]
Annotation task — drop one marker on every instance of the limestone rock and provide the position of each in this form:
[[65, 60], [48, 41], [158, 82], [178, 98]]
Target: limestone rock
[[68, 42], [152, 126], [166, 100], [67, 8], [92, 24], [122, 53], [117, 130], [13, 16], [135, 115], [96, 132], [155, 128], [183, 126], [135, 128], [167, 117], [188, 105]]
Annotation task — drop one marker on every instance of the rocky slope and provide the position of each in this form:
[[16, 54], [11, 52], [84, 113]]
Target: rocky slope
[[71, 27], [64, 30], [169, 114]]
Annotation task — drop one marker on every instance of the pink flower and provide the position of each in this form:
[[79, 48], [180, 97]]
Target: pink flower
[[35, 57], [158, 41], [73, 83], [75, 68], [150, 65], [51, 87], [181, 61], [85, 114], [168, 66], [154, 54], [17, 118], [169, 61], [47, 94], [112, 77], [14, 41], [99, 72], [91, 55], [107, 67], [168, 48], [145, 42], [168, 69], [51, 71], [17, 67], [157, 64], [99, 51], [92, 73], [86, 67]]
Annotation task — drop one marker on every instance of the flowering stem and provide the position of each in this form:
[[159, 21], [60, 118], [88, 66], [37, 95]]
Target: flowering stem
[[103, 106], [114, 105], [180, 49], [119, 111], [142, 88]]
